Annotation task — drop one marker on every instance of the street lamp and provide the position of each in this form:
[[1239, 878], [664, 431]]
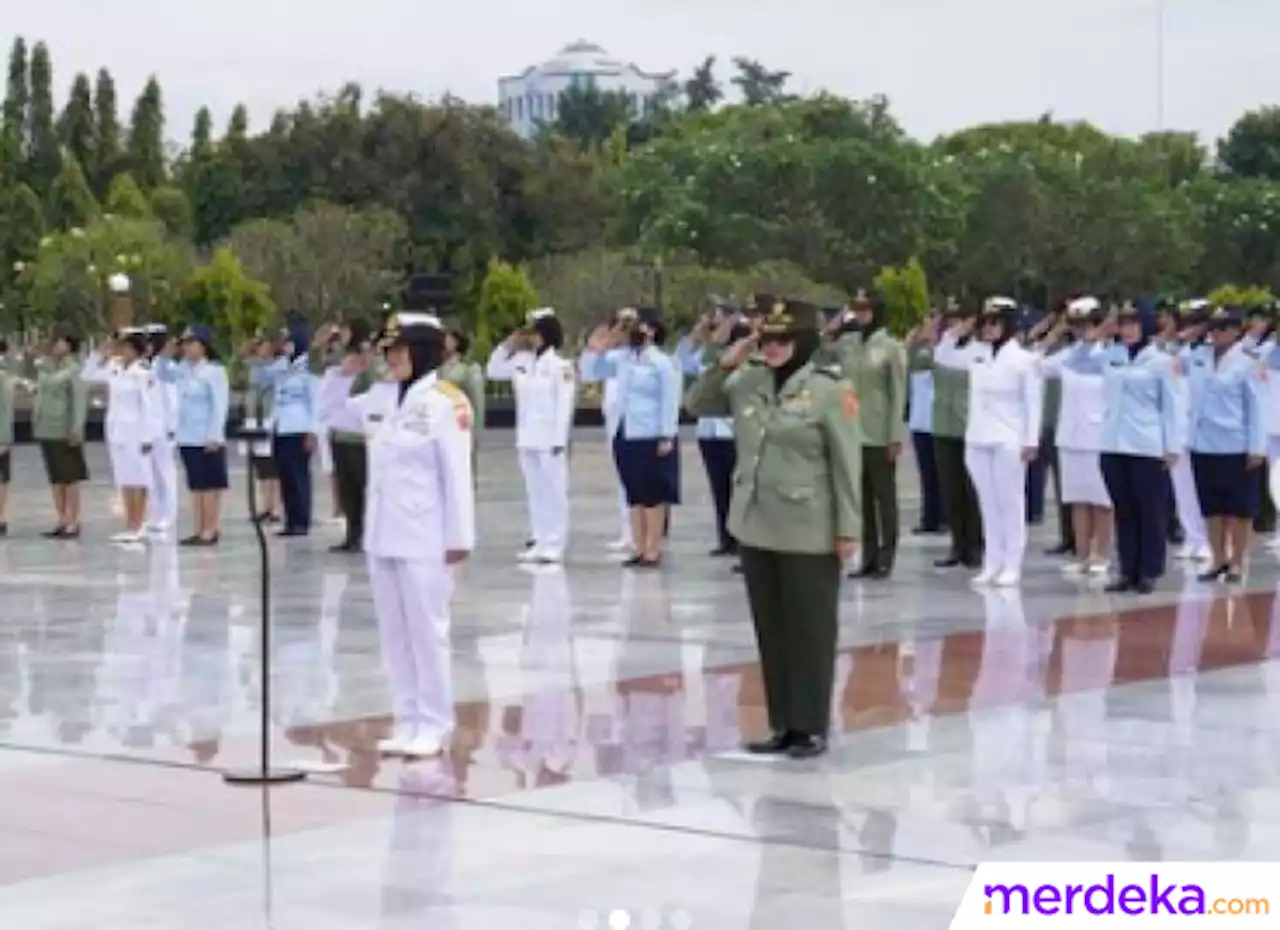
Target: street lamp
[[121, 303]]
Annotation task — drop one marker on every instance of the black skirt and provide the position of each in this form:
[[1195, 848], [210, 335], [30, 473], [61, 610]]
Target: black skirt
[[1225, 485], [206, 471], [4, 468], [648, 479], [63, 462], [264, 468]]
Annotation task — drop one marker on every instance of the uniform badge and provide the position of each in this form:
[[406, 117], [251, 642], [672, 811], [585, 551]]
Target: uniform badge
[[849, 404]]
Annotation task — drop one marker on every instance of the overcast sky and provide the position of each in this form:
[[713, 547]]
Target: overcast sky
[[944, 64]]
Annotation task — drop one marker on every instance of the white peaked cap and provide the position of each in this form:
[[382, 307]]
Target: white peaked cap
[[1083, 306], [541, 313], [417, 319], [1000, 303]]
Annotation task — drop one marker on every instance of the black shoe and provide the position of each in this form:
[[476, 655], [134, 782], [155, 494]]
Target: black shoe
[[54, 533], [950, 561], [1121, 586], [722, 550], [288, 531], [776, 745], [70, 533], [974, 562], [737, 568], [925, 530], [1145, 586], [1176, 535], [1061, 548], [807, 747], [871, 573], [634, 562], [4, 530], [1233, 575], [345, 548], [1213, 574], [190, 541]]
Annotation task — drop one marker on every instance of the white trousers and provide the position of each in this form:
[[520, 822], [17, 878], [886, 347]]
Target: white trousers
[[999, 476], [162, 505], [411, 598], [1187, 503], [546, 485]]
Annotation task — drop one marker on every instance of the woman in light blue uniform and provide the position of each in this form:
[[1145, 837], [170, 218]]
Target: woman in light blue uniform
[[920, 425], [1142, 438], [203, 400], [715, 434], [296, 425], [1228, 440], [646, 447]]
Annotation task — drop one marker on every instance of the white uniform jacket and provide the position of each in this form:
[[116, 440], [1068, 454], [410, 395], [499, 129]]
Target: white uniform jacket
[[545, 392], [420, 499], [1006, 399], [133, 418]]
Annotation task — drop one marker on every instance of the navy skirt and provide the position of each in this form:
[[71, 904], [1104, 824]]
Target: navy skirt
[[1226, 486], [206, 471], [648, 479]]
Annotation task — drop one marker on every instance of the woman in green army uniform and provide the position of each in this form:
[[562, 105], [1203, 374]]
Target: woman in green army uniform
[[795, 510]]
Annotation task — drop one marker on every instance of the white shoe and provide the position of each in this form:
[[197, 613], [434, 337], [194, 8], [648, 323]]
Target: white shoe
[[528, 555], [619, 545], [1075, 568], [398, 743], [128, 536], [548, 557], [1202, 553], [983, 578], [1184, 551], [423, 747], [1009, 578], [1098, 567]]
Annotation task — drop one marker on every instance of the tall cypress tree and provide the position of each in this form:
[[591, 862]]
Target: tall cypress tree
[[43, 157], [13, 121], [146, 138], [71, 202], [106, 117], [202, 135], [76, 126]]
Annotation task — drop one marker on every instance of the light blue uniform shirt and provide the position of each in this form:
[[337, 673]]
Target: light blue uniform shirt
[[920, 415], [294, 390], [1141, 416], [649, 390], [691, 359], [204, 398], [1229, 403]]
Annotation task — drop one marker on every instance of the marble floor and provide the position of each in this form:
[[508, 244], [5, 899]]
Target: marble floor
[[594, 780]]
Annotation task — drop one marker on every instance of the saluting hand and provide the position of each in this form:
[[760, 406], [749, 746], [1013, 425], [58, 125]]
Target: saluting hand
[[739, 352], [599, 340], [454, 556]]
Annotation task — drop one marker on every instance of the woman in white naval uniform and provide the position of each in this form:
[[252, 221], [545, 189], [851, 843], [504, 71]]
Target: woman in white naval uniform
[[134, 423], [546, 395], [1079, 436], [419, 523], [1003, 434], [162, 504]]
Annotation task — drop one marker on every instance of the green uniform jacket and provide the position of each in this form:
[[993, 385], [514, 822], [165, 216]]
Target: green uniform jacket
[[8, 385], [797, 485], [62, 401], [1052, 407], [469, 377], [877, 368], [950, 392]]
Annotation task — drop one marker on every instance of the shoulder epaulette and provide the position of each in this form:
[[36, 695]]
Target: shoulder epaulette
[[756, 362], [831, 371], [451, 391]]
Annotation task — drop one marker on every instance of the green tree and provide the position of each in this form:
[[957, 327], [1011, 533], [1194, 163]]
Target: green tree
[[758, 85], [702, 91], [13, 119], [71, 202], [905, 291], [1251, 148], [76, 128], [506, 296], [126, 199], [106, 117], [1232, 295], [223, 296], [201, 135], [588, 116], [145, 149], [43, 158], [170, 206], [68, 276]]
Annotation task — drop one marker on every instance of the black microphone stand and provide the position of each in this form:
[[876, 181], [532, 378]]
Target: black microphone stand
[[264, 773]]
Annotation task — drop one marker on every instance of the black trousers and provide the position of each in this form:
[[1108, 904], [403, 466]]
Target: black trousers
[[351, 469], [959, 500], [294, 463], [795, 605], [720, 457], [931, 515], [1137, 484], [879, 508]]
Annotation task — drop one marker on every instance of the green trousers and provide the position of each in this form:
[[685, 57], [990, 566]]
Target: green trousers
[[879, 508], [795, 605]]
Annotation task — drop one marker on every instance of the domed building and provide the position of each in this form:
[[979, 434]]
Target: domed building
[[532, 97]]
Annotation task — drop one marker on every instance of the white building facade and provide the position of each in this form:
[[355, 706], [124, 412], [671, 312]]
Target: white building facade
[[532, 98]]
